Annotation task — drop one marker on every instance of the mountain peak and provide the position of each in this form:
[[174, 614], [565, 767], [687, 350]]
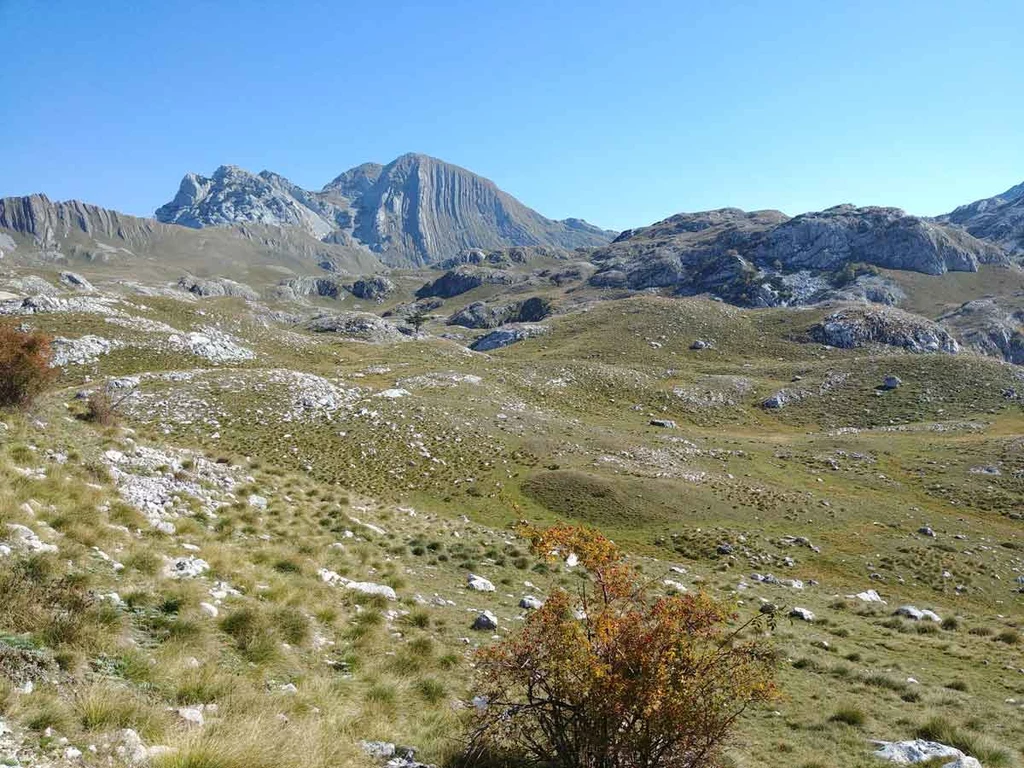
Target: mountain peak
[[999, 219], [417, 209]]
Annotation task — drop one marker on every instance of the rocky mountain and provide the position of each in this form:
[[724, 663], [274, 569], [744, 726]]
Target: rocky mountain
[[766, 258], [414, 211], [999, 219], [48, 223], [35, 228], [233, 195]]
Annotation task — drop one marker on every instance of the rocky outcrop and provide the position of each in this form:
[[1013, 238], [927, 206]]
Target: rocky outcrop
[[764, 258], [480, 314], [855, 326], [999, 219], [990, 328], [884, 237], [503, 258], [415, 210], [374, 288], [506, 336], [75, 281], [462, 279], [310, 285], [233, 195], [216, 286], [48, 222], [361, 326]]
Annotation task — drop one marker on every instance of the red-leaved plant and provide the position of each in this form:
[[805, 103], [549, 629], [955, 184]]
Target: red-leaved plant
[[611, 677]]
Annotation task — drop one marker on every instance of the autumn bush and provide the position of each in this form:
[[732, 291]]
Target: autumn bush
[[608, 676], [101, 409], [24, 365]]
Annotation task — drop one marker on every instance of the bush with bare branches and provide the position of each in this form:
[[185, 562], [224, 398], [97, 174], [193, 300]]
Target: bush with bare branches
[[24, 366]]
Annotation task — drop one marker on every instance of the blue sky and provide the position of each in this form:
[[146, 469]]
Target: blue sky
[[619, 112]]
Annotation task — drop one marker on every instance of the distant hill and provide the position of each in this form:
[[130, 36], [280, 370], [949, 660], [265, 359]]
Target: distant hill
[[414, 211], [999, 219]]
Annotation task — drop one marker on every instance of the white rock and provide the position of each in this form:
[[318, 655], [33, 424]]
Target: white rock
[[802, 613], [964, 762], [186, 567], [917, 614], [393, 394], [916, 751], [479, 583], [868, 596], [531, 603], [369, 588], [191, 716], [26, 539], [209, 609]]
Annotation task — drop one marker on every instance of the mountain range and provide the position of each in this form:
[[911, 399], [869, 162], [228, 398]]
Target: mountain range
[[414, 211], [418, 212]]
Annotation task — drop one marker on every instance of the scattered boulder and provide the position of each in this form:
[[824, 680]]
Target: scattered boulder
[[700, 344], [803, 614], [917, 614], [486, 622], [892, 382], [479, 583], [186, 567], [531, 603], [915, 751], [75, 281], [868, 596], [781, 399], [663, 423], [25, 539]]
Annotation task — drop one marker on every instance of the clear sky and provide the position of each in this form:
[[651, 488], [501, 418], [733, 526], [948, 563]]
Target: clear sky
[[619, 112]]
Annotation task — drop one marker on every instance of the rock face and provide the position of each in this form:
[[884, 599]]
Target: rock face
[[361, 326], [999, 219], [764, 258], [233, 195], [48, 222], [855, 326], [479, 314], [462, 279], [503, 337], [415, 210], [989, 327], [72, 229], [885, 237], [310, 285], [216, 286], [375, 288]]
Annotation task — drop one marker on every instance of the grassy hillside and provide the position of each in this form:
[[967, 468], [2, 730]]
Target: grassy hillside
[[404, 464]]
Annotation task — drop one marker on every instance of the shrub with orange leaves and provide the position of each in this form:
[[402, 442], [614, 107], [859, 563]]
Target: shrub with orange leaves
[[24, 365], [611, 677]]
